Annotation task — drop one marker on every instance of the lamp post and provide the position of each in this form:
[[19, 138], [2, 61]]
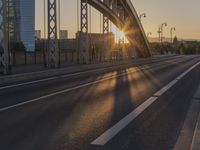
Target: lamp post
[[59, 42], [142, 15], [171, 33], [148, 34], [161, 29], [159, 34]]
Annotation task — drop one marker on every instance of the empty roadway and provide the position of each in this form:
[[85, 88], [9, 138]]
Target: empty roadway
[[69, 113]]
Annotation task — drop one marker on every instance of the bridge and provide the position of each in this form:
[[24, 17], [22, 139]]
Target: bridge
[[76, 103], [119, 12]]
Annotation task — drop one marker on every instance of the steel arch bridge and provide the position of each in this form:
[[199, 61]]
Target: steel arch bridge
[[119, 12]]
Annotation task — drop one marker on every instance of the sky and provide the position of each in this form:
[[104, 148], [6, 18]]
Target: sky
[[184, 15]]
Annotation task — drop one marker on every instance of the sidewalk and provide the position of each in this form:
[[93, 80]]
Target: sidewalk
[[30, 72], [189, 138], [196, 139], [40, 67]]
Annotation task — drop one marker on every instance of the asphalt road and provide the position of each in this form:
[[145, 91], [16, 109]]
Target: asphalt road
[[69, 113]]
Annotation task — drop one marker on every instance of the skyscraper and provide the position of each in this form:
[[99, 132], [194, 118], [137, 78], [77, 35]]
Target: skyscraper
[[27, 23], [22, 22]]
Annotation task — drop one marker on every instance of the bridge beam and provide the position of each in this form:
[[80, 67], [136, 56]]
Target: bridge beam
[[83, 46], [4, 53], [53, 51], [105, 30]]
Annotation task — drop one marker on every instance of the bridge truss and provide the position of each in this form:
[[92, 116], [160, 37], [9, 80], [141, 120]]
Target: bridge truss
[[4, 53], [119, 12]]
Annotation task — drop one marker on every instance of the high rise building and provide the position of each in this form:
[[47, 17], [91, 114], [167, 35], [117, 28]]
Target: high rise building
[[63, 34], [22, 22], [37, 34], [13, 20], [26, 8]]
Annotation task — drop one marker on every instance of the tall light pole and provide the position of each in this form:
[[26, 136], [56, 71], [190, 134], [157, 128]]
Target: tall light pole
[[142, 15], [161, 27], [171, 33], [148, 34], [59, 42], [159, 34]]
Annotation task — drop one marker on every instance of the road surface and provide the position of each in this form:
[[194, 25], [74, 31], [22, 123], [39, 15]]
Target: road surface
[[70, 113]]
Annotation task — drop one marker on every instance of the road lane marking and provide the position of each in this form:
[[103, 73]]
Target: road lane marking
[[27, 83], [196, 138], [187, 71], [53, 78], [68, 75], [66, 90], [71, 89], [113, 131], [110, 133], [57, 77], [165, 88]]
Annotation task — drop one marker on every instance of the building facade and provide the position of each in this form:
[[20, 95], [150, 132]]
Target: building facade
[[21, 22], [26, 9], [63, 34], [37, 34]]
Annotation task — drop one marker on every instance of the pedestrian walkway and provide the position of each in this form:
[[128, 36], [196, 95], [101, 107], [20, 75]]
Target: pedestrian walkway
[[40, 67], [189, 138], [30, 72], [196, 139]]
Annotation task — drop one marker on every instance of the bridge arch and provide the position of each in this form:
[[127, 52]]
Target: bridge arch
[[129, 23]]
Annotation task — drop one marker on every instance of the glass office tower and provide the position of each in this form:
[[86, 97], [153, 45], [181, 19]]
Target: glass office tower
[[27, 23], [22, 22]]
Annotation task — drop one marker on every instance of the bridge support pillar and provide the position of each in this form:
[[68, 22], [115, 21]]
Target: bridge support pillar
[[114, 6], [53, 50], [4, 53], [105, 34], [105, 31], [83, 44]]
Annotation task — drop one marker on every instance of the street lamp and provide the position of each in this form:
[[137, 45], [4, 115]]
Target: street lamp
[[161, 29], [59, 41], [159, 34], [171, 33], [149, 33], [142, 15]]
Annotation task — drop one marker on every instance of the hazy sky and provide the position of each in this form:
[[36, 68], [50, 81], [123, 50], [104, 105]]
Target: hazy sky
[[182, 14]]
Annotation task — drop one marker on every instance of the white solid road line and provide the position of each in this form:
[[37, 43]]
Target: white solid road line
[[165, 88], [60, 92], [113, 131], [187, 71], [27, 83], [61, 76], [65, 91], [110, 133], [56, 77], [69, 89]]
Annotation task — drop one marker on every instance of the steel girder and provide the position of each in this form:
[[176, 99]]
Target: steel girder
[[53, 50], [105, 30], [83, 43], [4, 53], [105, 24], [126, 19], [84, 16], [105, 18]]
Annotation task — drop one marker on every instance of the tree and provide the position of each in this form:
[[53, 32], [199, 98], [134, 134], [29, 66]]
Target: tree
[[175, 40], [17, 46]]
